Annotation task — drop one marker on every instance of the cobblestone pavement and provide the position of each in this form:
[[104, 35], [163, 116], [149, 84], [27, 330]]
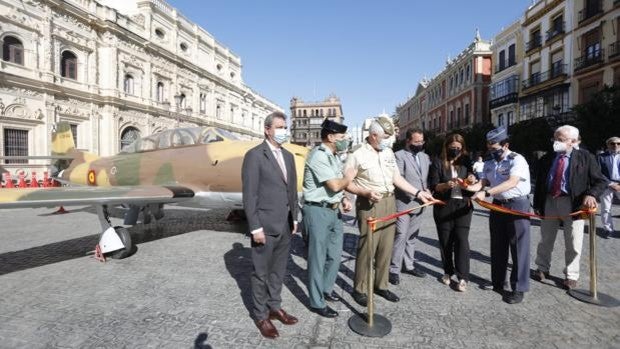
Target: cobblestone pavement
[[188, 287]]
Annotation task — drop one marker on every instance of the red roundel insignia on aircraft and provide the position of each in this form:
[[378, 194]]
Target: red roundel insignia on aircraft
[[92, 178]]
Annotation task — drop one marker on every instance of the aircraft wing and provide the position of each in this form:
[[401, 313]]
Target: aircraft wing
[[77, 196]]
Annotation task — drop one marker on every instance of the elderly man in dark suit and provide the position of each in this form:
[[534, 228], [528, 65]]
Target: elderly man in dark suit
[[568, 179], [610, 166], [270, 203], [413, 165]]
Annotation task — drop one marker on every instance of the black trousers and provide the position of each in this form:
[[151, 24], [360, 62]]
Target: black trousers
[[269, 260], [510, 234], [453, 222]]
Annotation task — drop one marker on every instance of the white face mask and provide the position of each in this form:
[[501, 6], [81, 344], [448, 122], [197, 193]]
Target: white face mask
[[385, 143], [559, 147], [280, 135]]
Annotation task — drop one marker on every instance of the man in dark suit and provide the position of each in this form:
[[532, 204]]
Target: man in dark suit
[[270, 203], [413, 165], [568, 179], [610, 166]]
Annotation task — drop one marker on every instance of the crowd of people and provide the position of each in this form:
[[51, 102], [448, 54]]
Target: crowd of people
[[383, 182]]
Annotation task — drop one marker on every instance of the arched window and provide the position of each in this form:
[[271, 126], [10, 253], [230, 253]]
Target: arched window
[[129, 135], [128, 84], [68, 65], [13, 50], [183, 101], [160, 92]]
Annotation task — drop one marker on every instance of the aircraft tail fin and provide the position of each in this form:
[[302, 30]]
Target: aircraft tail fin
[[62, 139]]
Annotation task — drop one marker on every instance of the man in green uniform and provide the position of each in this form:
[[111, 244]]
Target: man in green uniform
[[324, 185]]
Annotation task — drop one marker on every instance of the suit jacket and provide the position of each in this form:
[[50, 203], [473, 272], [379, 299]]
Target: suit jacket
[[414, 174], [606, 161], [439, 174], [585, 178], [269, 201]]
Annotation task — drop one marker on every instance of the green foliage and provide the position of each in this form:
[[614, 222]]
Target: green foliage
[[599, 118]]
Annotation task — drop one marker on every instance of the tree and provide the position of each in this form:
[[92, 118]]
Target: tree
[[599, 118]]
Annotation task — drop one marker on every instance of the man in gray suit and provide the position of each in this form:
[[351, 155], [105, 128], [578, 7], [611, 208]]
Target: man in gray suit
[[270, 203], [413, 165]]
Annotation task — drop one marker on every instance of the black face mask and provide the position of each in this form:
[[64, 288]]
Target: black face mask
[[497, 154], [416, 148], [453, 153]]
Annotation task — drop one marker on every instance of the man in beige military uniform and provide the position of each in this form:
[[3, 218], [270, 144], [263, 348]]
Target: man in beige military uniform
[[377, 175]]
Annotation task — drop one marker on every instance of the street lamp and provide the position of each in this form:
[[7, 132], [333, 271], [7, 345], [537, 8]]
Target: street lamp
[[179, 99]]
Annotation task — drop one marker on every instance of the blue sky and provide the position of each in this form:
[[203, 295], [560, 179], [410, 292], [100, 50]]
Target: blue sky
[[369, 53]]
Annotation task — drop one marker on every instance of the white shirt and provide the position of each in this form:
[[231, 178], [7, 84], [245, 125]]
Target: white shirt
[[499, 172]]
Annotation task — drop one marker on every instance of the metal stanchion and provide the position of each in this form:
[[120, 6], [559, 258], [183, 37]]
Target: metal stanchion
[[370, 324], [592, 296]]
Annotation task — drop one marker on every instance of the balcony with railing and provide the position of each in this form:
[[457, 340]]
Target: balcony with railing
[[538, 78], [614, 49], [536, 42], [556, 31], [505, 65], [592, 9], [589, 59]]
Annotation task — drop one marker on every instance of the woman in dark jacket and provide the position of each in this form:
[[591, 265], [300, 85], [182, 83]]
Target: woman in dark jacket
[[453, 219]]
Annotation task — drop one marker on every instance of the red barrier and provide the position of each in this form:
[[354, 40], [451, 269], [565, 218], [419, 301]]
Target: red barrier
[[8, 180], [34, 183], [46, 180], [22, 180]]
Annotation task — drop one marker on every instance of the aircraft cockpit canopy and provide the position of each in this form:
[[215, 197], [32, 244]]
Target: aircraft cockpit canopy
[[179, 137]]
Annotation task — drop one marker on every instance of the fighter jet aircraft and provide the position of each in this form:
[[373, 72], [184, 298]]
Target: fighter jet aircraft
[[195, 167]]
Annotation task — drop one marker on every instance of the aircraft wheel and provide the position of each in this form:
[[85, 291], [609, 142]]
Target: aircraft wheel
[[123, 234]]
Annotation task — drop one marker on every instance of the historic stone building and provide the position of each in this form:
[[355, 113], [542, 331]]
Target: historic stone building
[[457, 97], [505, 83], [115, 70], [596, 48], [307, 117], [546, 80]]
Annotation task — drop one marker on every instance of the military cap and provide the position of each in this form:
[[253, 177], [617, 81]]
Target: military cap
[[333, 127], [386, 124], [497, 135], [612, 140]]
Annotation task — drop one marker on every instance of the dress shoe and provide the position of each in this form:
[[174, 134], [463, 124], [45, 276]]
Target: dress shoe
[[387, 294], [331, 297], [394, 279], [570, 284], [360, 298], [445, 279], [284, 318], [606, 234], [461, 286], [267, 329], [514, 297], [540, 275], [415, 272], [325, 312]]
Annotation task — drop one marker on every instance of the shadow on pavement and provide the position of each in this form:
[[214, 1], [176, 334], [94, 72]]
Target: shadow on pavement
[[176, 222], [201, 341]]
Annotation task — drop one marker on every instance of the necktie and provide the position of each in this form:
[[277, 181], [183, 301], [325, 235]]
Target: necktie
[[280, 159], [556, 185]]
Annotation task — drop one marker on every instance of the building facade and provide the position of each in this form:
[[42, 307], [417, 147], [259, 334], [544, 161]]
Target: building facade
[[547, 63], [115, 70], [505, 83], [596, 48], [457, 97], [307, 117]]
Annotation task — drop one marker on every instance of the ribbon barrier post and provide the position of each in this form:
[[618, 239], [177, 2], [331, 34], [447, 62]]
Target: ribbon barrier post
[[371, 324], [592, 295]]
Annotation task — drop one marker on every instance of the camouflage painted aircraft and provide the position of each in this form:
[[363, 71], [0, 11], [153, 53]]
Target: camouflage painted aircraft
[[194, 167]]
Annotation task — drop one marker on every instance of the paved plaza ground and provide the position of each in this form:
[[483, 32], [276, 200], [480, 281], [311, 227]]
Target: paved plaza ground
[[188, 287]]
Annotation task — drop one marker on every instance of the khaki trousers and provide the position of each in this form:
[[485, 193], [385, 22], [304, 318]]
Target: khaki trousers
[[383, 241]]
